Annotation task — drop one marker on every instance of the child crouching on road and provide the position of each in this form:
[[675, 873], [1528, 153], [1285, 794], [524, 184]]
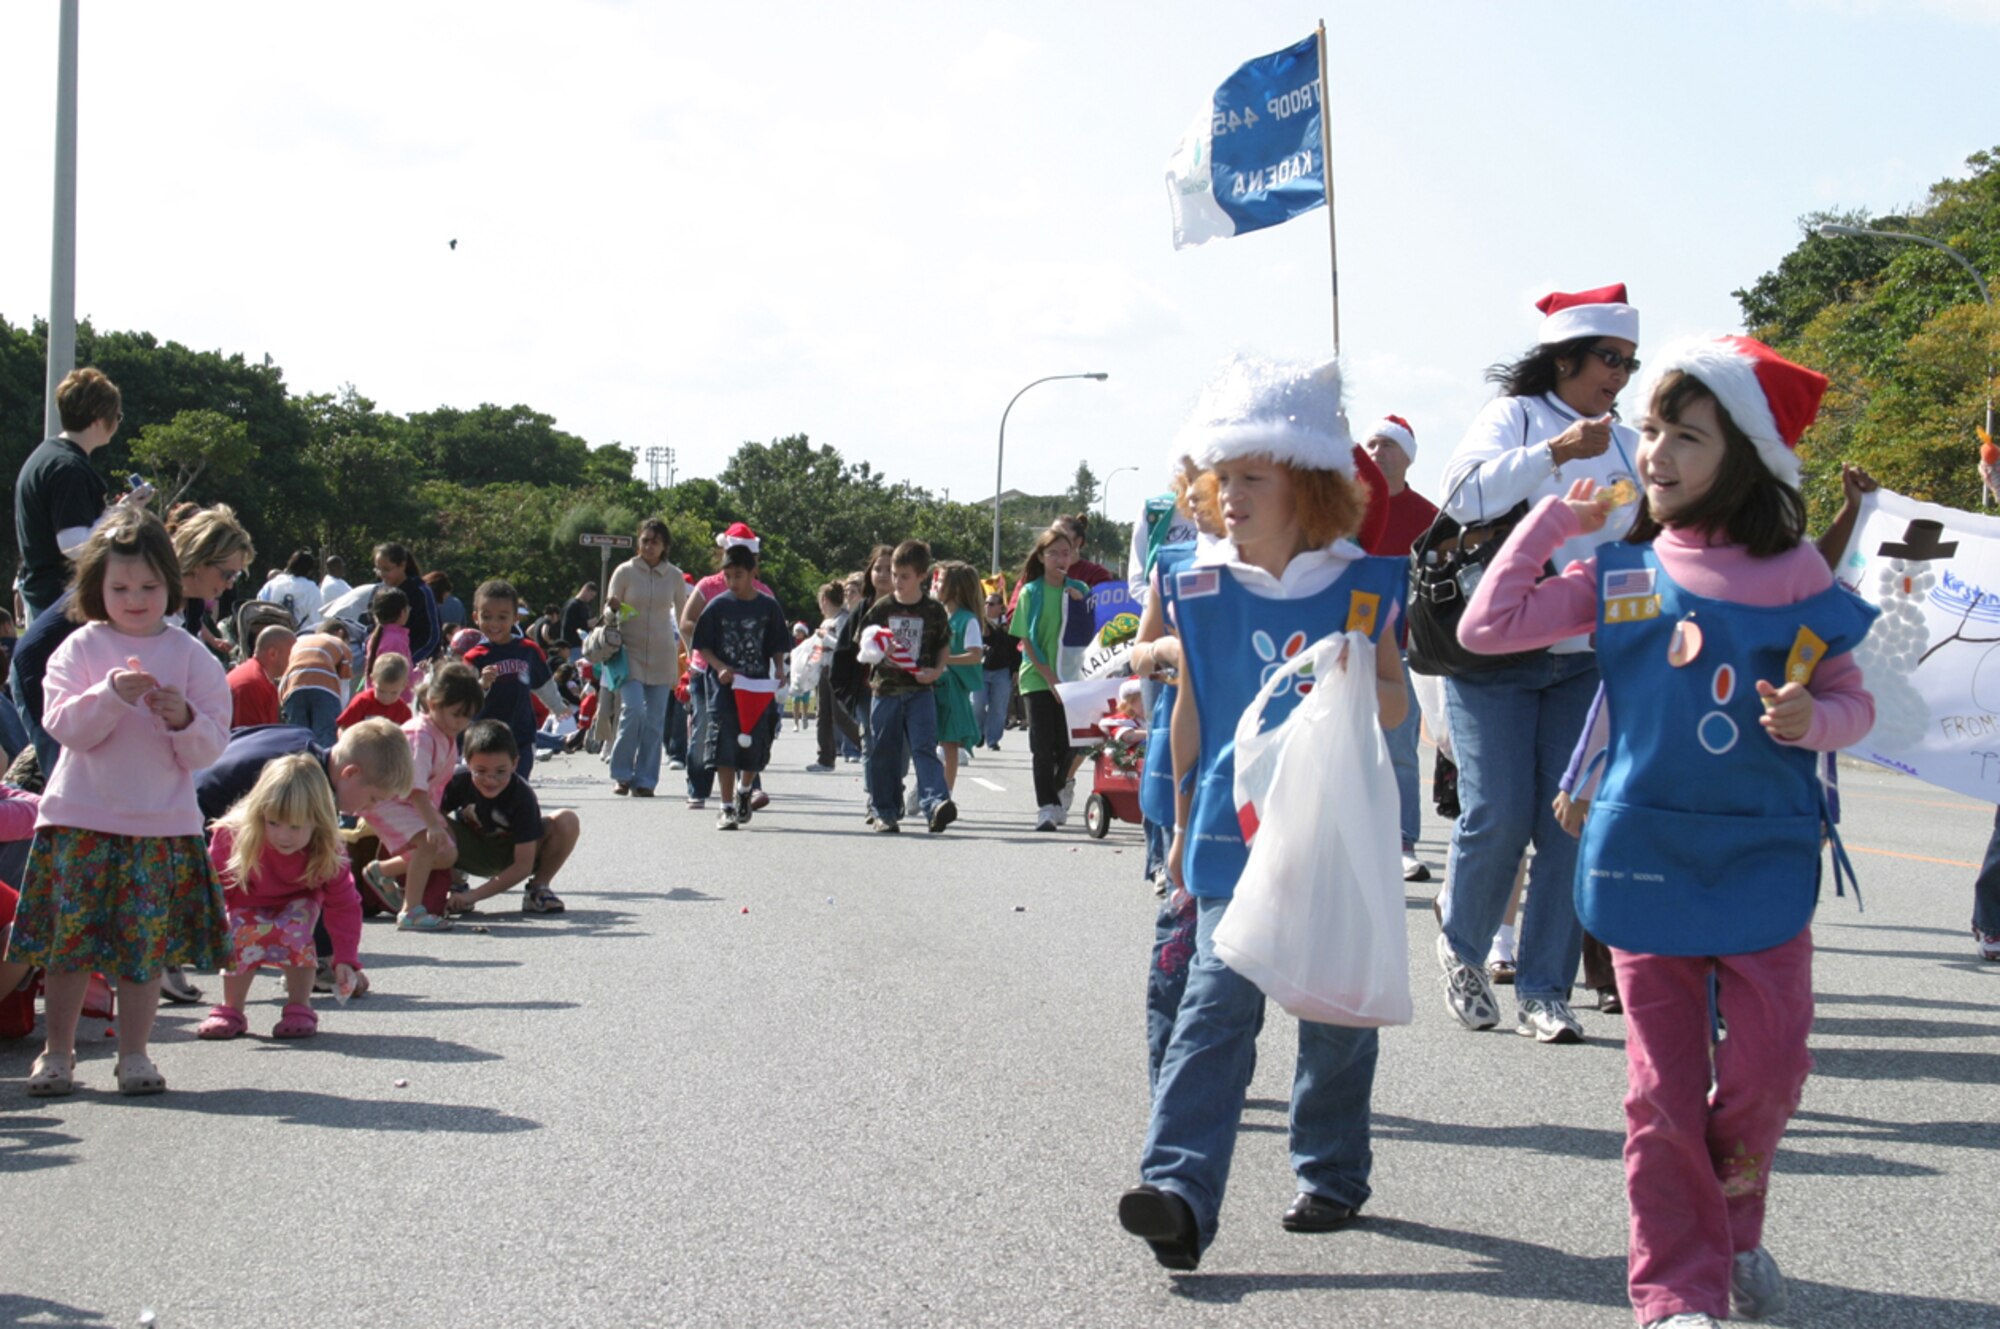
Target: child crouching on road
[[498, 826], [279, 856], [412, 876]]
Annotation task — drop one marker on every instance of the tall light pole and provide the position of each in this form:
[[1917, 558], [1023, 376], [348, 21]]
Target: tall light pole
[[62, 249], [1104, 502], [1833, 229], [1000, 462]]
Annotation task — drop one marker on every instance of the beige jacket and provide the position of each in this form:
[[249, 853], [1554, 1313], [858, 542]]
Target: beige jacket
[[652, 635]]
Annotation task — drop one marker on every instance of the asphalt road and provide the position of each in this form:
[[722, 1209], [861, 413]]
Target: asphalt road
[[805, 1075]]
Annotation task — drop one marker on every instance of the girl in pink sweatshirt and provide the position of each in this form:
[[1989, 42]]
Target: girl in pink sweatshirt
[[283, 869], [1725, 651], [118, 879]]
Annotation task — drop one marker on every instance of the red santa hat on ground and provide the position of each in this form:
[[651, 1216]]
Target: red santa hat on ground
[[1397, 430], [739, 533], [1604, 312], [1771, 399], [1289, 412]]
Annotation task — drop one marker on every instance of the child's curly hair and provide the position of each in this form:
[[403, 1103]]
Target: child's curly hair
[[1327, 505]]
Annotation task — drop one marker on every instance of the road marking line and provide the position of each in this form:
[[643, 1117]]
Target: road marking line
[[1914, 858], [987, 784]]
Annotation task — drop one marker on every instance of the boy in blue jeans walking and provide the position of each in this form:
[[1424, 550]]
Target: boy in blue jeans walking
[[912, 632]]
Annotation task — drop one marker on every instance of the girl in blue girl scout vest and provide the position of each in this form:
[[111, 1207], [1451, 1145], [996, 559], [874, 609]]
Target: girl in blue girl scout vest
[[1278, 477], [1725, 654]]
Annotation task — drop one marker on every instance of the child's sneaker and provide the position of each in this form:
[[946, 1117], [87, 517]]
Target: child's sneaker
[[1548, 1020], [539, 899], [727, 821], [886, 827], [1686, 1320], [943, 815], [388, 892], [1989, 944], [1045, 818], [913, 805], [419, 919], [1467, 994], [1756, 1288], [745, 805]]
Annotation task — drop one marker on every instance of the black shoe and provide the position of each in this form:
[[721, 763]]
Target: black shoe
[[943, 815], [1166, 1223], [1608, 1002], [174, 986], [1313, 1213], [620, 788], [744, 805], [637, 792]]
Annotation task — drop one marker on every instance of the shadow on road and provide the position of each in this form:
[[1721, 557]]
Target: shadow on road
[[304, 1108], [17, 1310], [1891, 1027], [1902, 1064], [25, 1146], [1951, 1134], [414, 1049]]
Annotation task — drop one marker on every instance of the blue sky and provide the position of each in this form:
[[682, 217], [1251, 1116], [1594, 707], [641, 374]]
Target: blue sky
[[874, 222]]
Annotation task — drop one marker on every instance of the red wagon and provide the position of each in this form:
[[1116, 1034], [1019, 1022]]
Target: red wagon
[[1116, 778]]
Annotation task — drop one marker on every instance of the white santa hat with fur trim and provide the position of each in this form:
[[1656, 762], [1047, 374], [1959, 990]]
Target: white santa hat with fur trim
[[1287, 411], [1770, 399]]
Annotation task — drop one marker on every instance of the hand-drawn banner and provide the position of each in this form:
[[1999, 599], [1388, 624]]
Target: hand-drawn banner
[[1932, 660]]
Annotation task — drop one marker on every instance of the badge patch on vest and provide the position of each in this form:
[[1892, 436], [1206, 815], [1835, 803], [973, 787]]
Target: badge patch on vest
[[1629, 596], [1363, 607], [1807, 651], [1198, 582]]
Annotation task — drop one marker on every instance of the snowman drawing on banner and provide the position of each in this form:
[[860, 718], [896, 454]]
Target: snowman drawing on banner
[[1900, 641]]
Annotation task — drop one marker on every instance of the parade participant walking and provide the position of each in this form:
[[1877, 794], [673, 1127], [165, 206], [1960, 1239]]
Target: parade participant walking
[[119, 879], [1279, 478], [742, 637], [903, 720], [701, 680], [1392, 445], [1513, 727], [1726, 646], [1000, 661], [648, 594], [958, 717], [1040, 611]]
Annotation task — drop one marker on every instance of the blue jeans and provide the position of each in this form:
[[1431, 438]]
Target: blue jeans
[[1206, 1071], [47, 750], [996, 692], [701, 698], [315, 709], [1166, 980], [1986, 890], [1402, 742], [642, 720], [899, 724], [676, 731], [1514, 730], [13, 733]]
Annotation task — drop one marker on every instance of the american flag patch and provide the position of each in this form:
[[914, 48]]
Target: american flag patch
[[1635, 581], [1198, 581]]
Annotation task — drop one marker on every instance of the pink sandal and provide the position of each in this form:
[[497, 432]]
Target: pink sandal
[[296, 1022], [223, 1022]]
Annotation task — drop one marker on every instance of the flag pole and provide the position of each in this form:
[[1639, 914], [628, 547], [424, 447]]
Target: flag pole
[[1326, 163]]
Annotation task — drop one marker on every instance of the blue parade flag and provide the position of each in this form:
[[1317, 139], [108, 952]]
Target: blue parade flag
[[1108, 600], [1254, 156]]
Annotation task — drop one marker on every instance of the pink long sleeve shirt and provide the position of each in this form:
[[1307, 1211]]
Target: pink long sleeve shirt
[[17, 813], [1510, 612], [123, 772], [278, 879]]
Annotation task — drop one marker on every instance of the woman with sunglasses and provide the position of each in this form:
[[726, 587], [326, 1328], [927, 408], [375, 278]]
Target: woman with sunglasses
[[1514, 726]]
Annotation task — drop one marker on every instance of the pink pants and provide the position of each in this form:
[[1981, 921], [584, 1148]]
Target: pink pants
[[1696, 1163]]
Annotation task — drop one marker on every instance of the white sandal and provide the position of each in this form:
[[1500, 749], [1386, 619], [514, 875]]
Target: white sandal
[[136, 1074], [47, 1080]]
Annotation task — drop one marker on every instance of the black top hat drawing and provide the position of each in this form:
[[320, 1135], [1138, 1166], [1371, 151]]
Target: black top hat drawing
[[1920, 541]]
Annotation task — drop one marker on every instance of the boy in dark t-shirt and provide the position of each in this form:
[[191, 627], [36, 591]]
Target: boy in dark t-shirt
[[912, 633], [510, 668], [744, 638], [499, 827]]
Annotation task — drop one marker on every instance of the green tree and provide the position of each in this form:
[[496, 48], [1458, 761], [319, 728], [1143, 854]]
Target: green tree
[[190, 446], [1083, 489], [498, 445]]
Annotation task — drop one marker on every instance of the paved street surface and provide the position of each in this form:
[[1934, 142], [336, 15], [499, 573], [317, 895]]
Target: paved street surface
[[806, 1075]]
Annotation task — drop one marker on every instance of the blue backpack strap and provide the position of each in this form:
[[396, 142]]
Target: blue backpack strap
[[1842, 865]]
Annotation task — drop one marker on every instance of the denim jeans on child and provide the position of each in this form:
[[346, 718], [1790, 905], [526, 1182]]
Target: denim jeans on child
[[903, 726], [701, 697], [996, 692], [1166, 979], [1402, 742], [1206, 1072], [1514, 730], [675, 735], [315, 709], [642, 722]]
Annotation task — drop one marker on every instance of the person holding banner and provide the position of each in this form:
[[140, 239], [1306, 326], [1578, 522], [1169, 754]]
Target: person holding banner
[[1279, 478], [1727, 666], [743, 637], [1514, 727]]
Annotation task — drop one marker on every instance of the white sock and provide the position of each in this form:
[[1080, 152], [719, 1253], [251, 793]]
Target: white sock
[[1502, 949]]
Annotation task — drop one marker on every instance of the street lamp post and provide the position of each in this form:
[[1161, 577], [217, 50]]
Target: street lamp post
[[1833, 229], [1105, 502], [62, 255], [1000, 461]]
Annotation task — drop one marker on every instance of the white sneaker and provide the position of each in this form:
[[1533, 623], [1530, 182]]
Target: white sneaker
[[1062, 813], [1414, 868], [1045, 818], [1989, 944], [1068, 795], [1467, 994], [1686, 1320], [1756, 1288], [1548, 1020], [911, 807]]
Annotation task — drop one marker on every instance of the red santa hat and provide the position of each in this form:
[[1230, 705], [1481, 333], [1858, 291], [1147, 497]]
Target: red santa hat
[[753, 697], [1397, 430], [739, 533], [1770, 399], [1603, 312], [1287, 411]]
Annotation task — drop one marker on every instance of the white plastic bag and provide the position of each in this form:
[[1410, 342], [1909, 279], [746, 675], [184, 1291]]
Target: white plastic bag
[[1317, 920], [807, 657]]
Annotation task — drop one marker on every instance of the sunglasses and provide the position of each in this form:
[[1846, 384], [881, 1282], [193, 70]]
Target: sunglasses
[[1614, 361]]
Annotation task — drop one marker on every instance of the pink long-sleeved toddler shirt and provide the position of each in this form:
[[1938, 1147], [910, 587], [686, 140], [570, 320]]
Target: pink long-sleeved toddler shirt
[[1510, 612], [123, 771], [278, 879]]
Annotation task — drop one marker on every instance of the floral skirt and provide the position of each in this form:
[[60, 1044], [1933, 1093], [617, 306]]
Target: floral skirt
[[281, 938], [121, 905]]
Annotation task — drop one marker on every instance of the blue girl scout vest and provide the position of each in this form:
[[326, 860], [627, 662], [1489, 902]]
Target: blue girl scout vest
[[1232, 641], [1156, 778], [1704, 837]]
